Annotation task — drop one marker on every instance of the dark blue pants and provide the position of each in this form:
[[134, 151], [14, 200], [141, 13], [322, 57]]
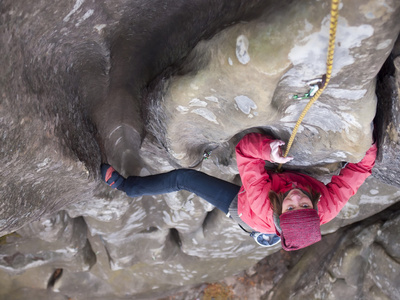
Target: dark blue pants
[[218, 192]]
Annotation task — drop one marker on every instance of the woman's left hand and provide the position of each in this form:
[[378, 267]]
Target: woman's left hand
[[276, 152]]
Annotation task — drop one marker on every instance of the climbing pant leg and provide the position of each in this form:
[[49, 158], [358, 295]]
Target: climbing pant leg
[[218, 192]]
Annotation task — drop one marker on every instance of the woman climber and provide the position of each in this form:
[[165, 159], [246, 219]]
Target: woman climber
[[289, 204]]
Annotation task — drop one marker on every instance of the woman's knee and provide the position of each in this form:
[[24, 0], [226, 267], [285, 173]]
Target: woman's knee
[[184, 177]]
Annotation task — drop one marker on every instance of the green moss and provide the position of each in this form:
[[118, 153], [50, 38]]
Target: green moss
[[3, 239]]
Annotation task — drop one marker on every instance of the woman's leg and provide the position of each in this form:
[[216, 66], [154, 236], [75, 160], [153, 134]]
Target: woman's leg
[[218, 192]]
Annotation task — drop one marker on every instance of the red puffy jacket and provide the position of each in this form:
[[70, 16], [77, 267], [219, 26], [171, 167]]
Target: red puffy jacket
[[253, 204]]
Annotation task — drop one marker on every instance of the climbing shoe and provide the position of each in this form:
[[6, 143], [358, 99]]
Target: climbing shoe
[[111, 177]]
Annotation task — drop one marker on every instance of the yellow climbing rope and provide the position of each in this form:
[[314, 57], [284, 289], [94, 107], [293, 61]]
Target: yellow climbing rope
[[329, 63]]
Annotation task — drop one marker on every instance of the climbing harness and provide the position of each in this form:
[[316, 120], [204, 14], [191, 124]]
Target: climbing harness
[[327, 77]]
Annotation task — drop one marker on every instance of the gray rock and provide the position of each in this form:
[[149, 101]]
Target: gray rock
[[58, 241], [388, 120], [87, 82], [351, 263]]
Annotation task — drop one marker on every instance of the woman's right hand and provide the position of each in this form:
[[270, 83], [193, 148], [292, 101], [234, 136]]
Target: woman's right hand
[[276, 152]]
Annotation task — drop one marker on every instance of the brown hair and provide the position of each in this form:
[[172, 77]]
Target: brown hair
[[276, 199]]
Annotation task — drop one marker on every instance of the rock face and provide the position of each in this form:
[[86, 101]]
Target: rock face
[[388, 122], [358, 262], [150, 87]]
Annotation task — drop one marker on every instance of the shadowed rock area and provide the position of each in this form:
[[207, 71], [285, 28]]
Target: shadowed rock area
[[356, 262], [151, 86]]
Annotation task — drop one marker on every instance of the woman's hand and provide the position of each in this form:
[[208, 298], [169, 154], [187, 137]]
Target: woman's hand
[[276, 152]]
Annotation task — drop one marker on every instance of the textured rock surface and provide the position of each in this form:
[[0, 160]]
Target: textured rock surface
[[358, 262], [59, 240], [388, 119], [149, 88]]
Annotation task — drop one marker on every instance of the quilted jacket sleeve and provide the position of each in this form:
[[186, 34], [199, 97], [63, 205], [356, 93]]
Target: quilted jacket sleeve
[[251, 153], [345, 185]]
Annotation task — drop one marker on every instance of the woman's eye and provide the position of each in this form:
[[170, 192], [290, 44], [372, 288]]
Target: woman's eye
[[290, 208], [305, 205]]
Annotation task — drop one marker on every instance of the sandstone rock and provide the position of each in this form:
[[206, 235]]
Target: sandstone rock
[[58, 240], [351, 263], [388, 119], [150, 88]]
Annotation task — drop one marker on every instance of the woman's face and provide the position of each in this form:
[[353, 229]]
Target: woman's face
[[296, 199]]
